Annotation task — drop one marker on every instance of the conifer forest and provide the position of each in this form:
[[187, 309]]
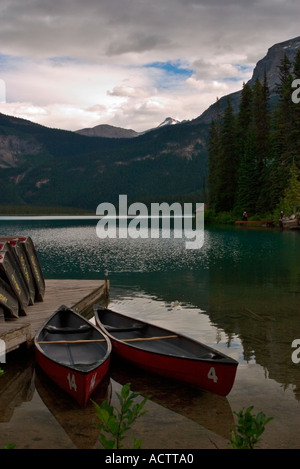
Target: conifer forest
[[254, 155]]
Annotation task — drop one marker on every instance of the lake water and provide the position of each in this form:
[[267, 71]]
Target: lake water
[[239, 293]]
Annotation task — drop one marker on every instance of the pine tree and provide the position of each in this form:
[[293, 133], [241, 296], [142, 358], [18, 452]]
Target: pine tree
[[246, 197], [244, 122], [292, 193], [229, 167], [296, 113], [262, 121], [245, 114], [283, 147], [215, 159], [254, 156]]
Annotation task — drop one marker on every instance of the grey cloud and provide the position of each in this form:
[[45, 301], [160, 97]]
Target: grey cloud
[[99, 29], [128, 92], [105, 38], [137, 43]]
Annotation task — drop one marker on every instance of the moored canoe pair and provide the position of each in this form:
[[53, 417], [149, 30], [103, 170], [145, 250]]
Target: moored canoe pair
[[75, 353]]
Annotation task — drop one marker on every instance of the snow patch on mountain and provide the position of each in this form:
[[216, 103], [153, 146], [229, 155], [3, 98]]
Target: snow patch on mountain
[[169, 121]]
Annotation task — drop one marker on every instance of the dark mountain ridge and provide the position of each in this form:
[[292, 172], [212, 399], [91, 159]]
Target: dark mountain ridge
[[107, 131], [110, 131], [42, 166]]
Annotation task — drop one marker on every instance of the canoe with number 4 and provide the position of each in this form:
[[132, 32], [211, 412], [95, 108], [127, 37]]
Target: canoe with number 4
[[73, 352], [166, 353]]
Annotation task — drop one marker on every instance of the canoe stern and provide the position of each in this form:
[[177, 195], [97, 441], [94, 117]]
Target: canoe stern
[[78, 384]]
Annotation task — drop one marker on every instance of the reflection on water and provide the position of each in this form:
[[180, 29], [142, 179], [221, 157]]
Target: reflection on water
[[208, 410], [80, 424], [240, 293], [16, 385]]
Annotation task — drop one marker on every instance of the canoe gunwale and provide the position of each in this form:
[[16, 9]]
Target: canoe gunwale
[[79, 368], [208, 374], [219, 357]]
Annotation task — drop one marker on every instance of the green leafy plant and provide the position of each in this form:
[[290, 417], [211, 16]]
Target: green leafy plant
[[10, 446], [248, 429], [116, 423], [1, 372]]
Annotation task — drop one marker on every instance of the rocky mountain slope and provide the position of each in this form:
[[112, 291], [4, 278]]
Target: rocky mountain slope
[[268, 64], [42, 166]]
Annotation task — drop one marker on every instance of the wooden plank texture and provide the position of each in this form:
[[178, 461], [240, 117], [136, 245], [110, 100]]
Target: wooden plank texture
[[78, 294]]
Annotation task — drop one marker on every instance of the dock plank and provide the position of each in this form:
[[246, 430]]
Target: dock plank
[[78, 294]]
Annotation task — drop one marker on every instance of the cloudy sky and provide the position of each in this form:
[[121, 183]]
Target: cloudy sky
[[72, 64]]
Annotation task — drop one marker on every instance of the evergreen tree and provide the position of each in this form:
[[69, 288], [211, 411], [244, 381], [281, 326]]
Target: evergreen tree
[[244, 122], [282, 142], [215, 161], [229, 166], [292, 192], [262, 121], [254, 132], [244, 115], [254, 156], [246, 197], [296, 113]]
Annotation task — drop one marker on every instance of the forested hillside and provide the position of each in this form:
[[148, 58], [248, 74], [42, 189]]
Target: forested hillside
[[51, 167], [254, 155]]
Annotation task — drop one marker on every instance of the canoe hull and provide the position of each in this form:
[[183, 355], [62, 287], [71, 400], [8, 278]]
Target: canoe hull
[[209, 376], [290, 224], [22, 261], [73, 353], [180, 357], [78, 385], [8, 301], [11, 275]]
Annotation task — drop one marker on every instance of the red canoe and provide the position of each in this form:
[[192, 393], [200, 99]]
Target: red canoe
[[167, 353], [73, 353]]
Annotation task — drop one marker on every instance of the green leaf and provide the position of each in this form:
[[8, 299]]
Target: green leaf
[[107, 444], [248, 429], [118, 423], [125, 391]]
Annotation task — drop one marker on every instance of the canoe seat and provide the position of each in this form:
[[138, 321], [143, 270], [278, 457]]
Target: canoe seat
[[124, 329], [67, 330]]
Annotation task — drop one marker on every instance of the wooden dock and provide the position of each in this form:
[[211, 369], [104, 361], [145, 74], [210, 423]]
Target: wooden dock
[[78, 294], [266, 223]]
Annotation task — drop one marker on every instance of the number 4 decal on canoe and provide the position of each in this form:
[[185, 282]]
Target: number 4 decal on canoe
[[212, 375], [72, 382]]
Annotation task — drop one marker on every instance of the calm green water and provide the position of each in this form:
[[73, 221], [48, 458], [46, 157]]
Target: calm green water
[[239, 293]]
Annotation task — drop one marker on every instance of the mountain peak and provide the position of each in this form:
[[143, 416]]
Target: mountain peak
[[107, 131], [169, 121]]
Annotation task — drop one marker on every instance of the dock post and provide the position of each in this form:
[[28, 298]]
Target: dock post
[[106, 281]]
